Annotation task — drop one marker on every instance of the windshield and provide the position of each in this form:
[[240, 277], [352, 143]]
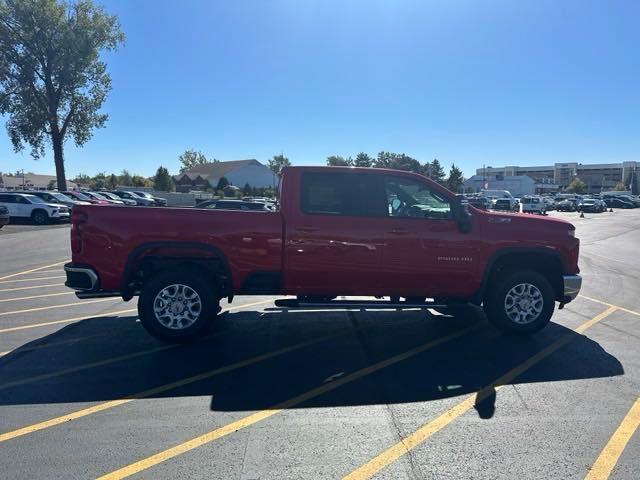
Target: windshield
[[61, 196], [96, 195], [34, 199], [81, 196]]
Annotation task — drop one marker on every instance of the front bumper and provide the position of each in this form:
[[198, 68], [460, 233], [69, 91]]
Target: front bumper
[[572, 284]]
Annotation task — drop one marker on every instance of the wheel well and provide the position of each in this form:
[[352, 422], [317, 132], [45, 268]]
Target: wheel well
[[210, 268], [546, 264], [35, 210]]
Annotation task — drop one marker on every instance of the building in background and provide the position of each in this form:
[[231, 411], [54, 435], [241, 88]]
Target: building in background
[[517, 185], [31, 181], [237, 172], [556, 177]]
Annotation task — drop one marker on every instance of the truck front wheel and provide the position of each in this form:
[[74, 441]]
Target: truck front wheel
[[520, 302], [177, 306]]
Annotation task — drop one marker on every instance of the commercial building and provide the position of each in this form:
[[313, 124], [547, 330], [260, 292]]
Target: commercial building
[[517, 185], [237, 172], [31, 181], [556, 177]]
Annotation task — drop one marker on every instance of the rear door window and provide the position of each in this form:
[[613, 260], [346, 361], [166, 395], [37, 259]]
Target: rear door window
[[343, 194]]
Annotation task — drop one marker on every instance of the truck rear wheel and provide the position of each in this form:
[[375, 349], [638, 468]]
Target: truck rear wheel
[[520, 302], [177, 306]]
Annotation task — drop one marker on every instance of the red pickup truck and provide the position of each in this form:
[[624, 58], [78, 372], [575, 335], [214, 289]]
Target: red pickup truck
[[338, 232]]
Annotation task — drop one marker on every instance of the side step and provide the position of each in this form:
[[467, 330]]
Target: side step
[[355, 304]]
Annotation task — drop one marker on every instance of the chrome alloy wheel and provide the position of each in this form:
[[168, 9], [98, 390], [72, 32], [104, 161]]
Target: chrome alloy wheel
[[523, 303], [177, 306]]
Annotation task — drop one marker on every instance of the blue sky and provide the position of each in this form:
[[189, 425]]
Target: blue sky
[[496, 82]]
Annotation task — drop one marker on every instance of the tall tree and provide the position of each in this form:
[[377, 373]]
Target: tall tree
[[277, 163], [162, 181], [576, 186], [125, 178], [112, 182], [397, 161], [338, 161], [455, 180], [192, 158], [363, 160], [436, 172], [52, 81], [222, 183]]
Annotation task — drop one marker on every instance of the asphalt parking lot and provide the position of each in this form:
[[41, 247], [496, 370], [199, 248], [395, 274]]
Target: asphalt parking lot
[[273, 394]]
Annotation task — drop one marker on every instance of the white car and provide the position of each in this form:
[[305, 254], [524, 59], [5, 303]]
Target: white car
[[22, 205], [533, 204]]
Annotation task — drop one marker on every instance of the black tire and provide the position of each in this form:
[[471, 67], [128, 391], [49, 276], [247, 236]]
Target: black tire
[[495, 303], [187, 329], [40, 217]]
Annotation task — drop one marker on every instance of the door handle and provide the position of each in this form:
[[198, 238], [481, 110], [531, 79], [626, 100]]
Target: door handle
[[399, 231]]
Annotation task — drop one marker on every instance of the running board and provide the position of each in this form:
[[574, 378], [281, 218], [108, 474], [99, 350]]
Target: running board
[[355, 304]]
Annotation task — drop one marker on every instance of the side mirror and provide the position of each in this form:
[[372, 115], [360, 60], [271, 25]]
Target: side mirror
[[462, 216]]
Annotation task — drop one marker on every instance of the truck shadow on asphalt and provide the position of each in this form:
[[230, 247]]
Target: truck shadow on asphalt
[[107, 358]]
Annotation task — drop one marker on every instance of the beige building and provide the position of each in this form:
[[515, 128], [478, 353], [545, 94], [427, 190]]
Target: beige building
[[31, 181], [598, 177]]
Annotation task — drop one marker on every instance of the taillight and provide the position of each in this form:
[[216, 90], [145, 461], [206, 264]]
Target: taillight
[[78, 219]]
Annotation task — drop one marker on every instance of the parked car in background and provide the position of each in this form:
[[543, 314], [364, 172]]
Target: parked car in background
[[494, 195], [4, 216], [97, 196], [550, 203], [504, 204], [566, 206], [140, 201], [56, 197], [117, 199], [590, 205], [21, 205], [533, 204], [82, 197], [481, 203], [234, 205], [615, 202], [160, 202]]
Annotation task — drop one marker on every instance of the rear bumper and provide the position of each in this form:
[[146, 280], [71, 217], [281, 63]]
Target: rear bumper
[[81, 277], [85, 281], [572, 285]]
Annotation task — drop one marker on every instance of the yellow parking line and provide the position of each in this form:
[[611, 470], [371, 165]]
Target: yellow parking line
[[32, 270], [66, 320], [32, 297], [51, 307], [108, 361], [610, 454], [626, 310], [34, 279], [157, 390], [264, 414], [31, 287], [408, 443]]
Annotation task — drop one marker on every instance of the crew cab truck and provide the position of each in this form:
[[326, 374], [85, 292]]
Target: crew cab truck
[[338, 231]]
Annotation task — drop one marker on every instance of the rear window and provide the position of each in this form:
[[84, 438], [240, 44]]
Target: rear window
[[347, 194]]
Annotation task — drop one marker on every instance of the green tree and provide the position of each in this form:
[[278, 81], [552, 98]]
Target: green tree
[[576, 186], [277, 163], [51, 185], [82, 180], [192, 158], [140, 181], [125, 178], [619, 187], [436, 172], [338, 161], [455, 180], [99, 182], [222, 183], [363, 160], [112, 181], [397, 161], [246, 190], [52, 80], [162, 181]]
